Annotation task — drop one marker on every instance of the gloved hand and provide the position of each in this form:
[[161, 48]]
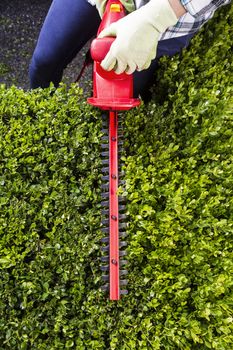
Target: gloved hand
[[101, 4], [137, 37]]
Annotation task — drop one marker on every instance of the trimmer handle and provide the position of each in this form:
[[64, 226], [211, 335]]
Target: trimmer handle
[[113, 12], [100, 47], [111, 91]]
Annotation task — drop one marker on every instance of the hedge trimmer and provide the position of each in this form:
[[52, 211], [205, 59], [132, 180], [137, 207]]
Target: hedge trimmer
[[113, 93]]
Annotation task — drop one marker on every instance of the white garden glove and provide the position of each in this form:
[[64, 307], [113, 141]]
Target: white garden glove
[[137, 37]]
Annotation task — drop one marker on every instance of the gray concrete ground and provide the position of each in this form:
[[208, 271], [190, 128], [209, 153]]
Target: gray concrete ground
[[20, 23]]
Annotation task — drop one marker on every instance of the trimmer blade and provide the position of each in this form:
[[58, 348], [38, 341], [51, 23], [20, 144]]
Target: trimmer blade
[[123, 292]]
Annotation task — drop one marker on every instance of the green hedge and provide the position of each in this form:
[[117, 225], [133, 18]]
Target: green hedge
[[179, 184]]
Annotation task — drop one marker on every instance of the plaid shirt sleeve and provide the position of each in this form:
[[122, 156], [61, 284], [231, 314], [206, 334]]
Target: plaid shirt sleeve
[[197, 8], [198, 13]]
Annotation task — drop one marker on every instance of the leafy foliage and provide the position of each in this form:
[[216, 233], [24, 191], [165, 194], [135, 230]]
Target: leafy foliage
[[179, 183]]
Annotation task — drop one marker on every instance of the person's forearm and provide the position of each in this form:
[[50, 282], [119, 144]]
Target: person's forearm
[[177, 8]]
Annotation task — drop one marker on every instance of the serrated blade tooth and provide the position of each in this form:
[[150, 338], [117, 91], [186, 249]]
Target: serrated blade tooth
[[123, 225], [120, 176], [104, 259], [123, 292], [123, 244], [123, 282], [104, 268], [105, 221], [105, 186], [105, 229], [105, 161], [105, 288], [121, 182], [122, 207], [122, 253], [105, 154], [105, 249], [105, 204], [123, 234], [104, 145], [123, 272], [104, 124], [105, 278], [122, 216], [123, 262], [105, 240]]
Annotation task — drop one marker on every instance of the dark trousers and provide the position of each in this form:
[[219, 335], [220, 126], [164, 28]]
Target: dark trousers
[[68, 26]]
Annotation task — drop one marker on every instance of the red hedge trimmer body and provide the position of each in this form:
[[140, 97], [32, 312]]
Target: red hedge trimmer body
[[111, 92]]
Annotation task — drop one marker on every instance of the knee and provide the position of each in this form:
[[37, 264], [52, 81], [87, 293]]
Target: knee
[[43, 70]]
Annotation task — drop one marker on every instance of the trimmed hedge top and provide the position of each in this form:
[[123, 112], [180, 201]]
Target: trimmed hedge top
[[179, 184]]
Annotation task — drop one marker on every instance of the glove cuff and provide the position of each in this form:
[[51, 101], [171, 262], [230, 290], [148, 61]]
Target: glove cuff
[[160, 14]]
